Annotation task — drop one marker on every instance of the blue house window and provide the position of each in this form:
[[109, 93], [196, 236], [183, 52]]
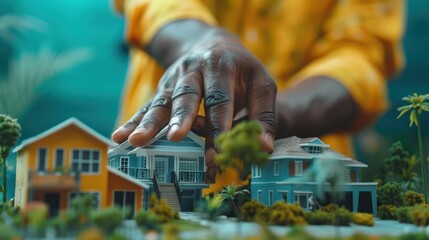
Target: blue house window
[[270, 198], [259, 196], [302, 199], [276, 169], [41, 157], [298, 168], [256, 171]]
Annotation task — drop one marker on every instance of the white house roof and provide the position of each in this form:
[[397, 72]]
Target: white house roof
[[66, 123], [291, 147], [127, 177]]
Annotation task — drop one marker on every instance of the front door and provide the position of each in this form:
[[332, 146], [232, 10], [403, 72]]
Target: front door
[[161, 168], [53, 202]]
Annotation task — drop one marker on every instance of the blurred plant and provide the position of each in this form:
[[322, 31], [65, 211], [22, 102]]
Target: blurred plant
[[161, 208], [212, 207], [417, 104], [240, 148], [29, 71], [229, 194], [11, 24], [343, 217], [412, 198], [403, 214], [319, 217], [287, 214], [365, 219], [107, 219], [255, 211], [390, 194], [395, 162], [386, 212], [410, 180], [10, 131], [147, 221]]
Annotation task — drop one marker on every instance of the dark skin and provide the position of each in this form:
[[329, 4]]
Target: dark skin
[[207, 63]]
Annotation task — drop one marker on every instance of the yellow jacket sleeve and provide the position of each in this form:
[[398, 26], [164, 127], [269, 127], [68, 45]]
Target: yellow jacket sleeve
[[146, 17], [360, 48]]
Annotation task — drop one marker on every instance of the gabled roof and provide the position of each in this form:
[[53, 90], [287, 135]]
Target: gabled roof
[[126, 147], [127, 177], [66, 123], [292, 147]]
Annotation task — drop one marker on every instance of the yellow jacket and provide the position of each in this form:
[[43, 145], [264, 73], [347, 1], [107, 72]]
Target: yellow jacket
[[356, 42]]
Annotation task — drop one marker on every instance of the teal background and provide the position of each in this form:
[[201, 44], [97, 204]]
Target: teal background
[[91, 90]]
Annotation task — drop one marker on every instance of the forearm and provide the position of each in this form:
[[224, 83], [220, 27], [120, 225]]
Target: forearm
[[177, 38], [314, 107]]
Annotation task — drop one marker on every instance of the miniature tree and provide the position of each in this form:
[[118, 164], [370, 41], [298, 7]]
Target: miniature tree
[[10, 131], [230, 192], [417, 104], [397, 159], [240, 148]]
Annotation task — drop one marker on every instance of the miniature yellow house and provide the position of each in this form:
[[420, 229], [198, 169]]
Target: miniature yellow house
[[67, 160]]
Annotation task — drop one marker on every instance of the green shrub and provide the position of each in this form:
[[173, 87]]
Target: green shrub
[[255, 211], [330, 208], [319, 217], [386, 212], [403, 214], [420, 215], [412, 198], [365, 219], [343, 217], [147, 220], [391, 194], [287, 214], [107, 219], [162, 210]]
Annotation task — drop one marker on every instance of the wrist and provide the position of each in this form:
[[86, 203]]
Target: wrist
[[179, 37]]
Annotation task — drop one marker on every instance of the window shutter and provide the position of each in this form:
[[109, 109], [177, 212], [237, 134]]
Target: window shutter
[[292, 168], [353, 175]]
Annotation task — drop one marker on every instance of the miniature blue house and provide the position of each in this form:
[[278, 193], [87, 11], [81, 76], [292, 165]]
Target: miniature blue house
[[279, 178], [174, 171]]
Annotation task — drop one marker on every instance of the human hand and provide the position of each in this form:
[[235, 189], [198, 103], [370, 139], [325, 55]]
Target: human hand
[[223, 73]]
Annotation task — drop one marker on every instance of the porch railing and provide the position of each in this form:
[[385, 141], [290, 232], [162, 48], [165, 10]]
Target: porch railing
[[191, 176]]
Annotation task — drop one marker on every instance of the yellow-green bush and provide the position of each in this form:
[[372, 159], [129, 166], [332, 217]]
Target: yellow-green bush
[[343, 217], [332, 207], [403, 214], [255, 211], [365, 219], [287, 214], [386, 212], [162, 209], [319, 217], [412, 198], [420, 215]]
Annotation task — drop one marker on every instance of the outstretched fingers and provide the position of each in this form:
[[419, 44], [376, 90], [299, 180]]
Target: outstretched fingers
[[261, 106], [122, 133], [186, 99]]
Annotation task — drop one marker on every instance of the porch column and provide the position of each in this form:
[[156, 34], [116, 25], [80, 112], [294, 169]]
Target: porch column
[[355, 200]]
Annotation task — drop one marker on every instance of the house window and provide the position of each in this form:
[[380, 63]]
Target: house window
[[259, 196], [284, 196], [59, 158], [276, 169], [302, 199], [256, 171], [124, 163], [188, 164], [86, 161], [347, 175], [126, 201], [298, 168], [41, 159], [314, 149], [95, 198], [270, 198]]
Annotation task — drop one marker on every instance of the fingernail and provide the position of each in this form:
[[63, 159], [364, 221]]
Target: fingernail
[[173, 130], [269, 142], [119, 129], [138, 131]]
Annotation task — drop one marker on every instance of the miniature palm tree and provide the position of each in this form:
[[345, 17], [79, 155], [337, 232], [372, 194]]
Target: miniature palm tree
[[417, 104], [230, 192], [410, 180], [240, 148], [10, 131]]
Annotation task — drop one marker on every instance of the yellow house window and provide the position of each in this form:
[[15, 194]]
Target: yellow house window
[[86, 161]]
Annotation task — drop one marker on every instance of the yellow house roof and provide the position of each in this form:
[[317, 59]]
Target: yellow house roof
[[66, 123]]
